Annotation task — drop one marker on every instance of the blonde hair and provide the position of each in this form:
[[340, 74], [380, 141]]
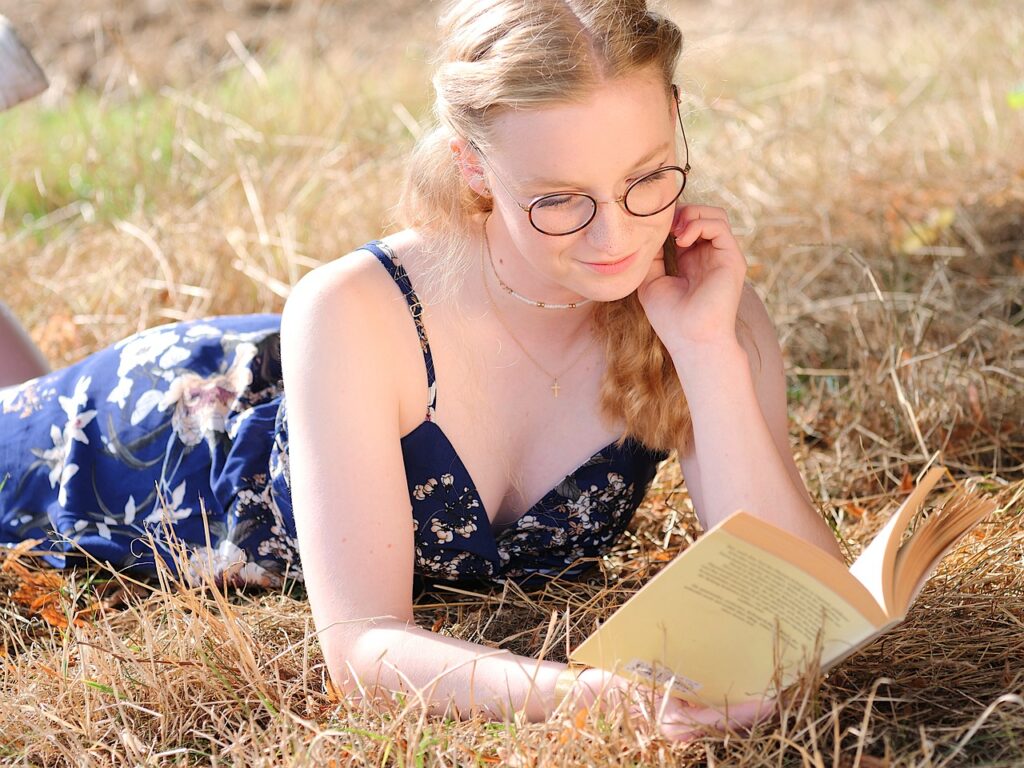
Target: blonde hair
[[498, 55]]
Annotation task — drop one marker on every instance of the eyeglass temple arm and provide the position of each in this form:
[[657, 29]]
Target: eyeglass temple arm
[[484, 160], [679, 114]]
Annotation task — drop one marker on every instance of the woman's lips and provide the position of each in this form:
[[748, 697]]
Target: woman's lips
[[614, 267]]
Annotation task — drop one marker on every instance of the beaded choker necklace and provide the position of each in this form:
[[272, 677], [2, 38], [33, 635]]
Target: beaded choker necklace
[[509, 291]]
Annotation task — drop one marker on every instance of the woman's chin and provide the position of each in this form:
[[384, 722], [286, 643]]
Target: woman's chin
[[615, 292], [614, 287]]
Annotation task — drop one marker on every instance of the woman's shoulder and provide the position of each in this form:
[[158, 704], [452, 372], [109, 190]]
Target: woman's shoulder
[[352, 309], [355, 279], [352, 299]]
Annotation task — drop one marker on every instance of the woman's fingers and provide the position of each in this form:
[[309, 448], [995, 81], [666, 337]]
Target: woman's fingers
[[686, 213], [690, 722], [679, 720], [716, 231]]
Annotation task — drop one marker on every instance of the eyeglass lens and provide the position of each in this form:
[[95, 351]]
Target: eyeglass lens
[[648, 195]]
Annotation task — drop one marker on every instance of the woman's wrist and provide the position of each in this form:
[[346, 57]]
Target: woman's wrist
[[700, 359]]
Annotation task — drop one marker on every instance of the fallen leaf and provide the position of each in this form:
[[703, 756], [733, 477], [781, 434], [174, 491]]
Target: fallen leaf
[[928, 232], [15, 552], [907, 483], [58, 335], [333, 694], [854, 510], [49, 670]]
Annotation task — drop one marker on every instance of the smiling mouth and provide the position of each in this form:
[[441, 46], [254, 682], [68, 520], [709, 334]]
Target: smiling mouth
[[609, 263]]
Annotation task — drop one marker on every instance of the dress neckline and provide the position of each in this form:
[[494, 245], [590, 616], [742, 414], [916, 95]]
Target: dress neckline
[[498, 534]]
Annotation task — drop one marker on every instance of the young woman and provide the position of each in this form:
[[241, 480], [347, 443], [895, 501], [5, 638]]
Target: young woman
[[572, 322]]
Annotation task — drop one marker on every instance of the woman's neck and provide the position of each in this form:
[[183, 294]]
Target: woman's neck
[[543, 327]]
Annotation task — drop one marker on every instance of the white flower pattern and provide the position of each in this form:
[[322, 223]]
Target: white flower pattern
[[202, 403], [56, 457]]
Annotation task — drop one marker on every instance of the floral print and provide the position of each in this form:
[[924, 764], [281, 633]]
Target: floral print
[[169, 450], [202, 404], [156, 443], [56, 457]]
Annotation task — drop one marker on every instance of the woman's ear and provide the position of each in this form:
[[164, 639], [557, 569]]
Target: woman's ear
[[468, 161]]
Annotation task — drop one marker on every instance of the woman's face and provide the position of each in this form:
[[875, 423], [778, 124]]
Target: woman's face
[[624, 129]]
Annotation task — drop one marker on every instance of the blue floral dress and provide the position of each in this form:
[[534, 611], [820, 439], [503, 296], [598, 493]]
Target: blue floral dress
[[170, 448]]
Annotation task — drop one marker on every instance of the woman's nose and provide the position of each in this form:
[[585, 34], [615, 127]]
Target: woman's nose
[[610, 229]]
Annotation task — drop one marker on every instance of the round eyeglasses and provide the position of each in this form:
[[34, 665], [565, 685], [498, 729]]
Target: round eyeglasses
[[563, 213]]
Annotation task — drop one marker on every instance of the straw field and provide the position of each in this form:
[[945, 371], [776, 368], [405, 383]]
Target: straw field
[[196, 158]]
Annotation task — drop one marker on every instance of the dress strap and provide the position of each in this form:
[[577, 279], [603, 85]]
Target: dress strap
[[386, 256]]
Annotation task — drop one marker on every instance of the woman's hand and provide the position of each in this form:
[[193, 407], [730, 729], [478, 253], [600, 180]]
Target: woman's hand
[[675, 719], [698, 307], [681, 721]]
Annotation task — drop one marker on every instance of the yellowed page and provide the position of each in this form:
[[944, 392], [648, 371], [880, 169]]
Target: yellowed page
[[919, 556], [876, 566], [710, 618], [815, 562]]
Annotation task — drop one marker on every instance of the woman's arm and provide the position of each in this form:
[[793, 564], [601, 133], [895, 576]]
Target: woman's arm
[[736, 391], [453, 677], [741, 457], [341, 333], [20, 358]]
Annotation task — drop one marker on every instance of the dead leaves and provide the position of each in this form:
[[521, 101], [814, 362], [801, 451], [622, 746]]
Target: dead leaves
[[59, 336], [42, 592], [854, 510]]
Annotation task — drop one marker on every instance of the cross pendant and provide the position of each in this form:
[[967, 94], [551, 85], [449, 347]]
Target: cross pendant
[[555, 387]]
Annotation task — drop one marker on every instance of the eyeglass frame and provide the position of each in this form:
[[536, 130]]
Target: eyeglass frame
[[621, 200]]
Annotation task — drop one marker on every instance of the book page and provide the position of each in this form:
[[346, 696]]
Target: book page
[[876, 566], [869, 567], [706, 627], [934, 538]]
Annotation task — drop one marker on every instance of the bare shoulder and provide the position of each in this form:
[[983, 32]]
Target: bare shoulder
[[353, 291], [350, 279], [351, 309]]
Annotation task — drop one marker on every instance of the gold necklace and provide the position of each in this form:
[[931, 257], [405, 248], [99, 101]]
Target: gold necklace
[[555, 386]]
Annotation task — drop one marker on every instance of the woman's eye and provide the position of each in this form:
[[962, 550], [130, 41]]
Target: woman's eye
[[654, 177], [554, 202]]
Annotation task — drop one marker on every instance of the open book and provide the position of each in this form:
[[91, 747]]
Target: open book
[[742, 608]]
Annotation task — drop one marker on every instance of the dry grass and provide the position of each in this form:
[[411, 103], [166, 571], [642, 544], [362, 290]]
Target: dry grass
[[866, 153]]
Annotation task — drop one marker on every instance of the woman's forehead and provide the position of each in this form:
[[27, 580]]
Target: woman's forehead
[[614, 129]]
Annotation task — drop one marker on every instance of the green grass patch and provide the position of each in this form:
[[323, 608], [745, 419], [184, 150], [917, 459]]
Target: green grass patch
[[91, 151], [115, 158]]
